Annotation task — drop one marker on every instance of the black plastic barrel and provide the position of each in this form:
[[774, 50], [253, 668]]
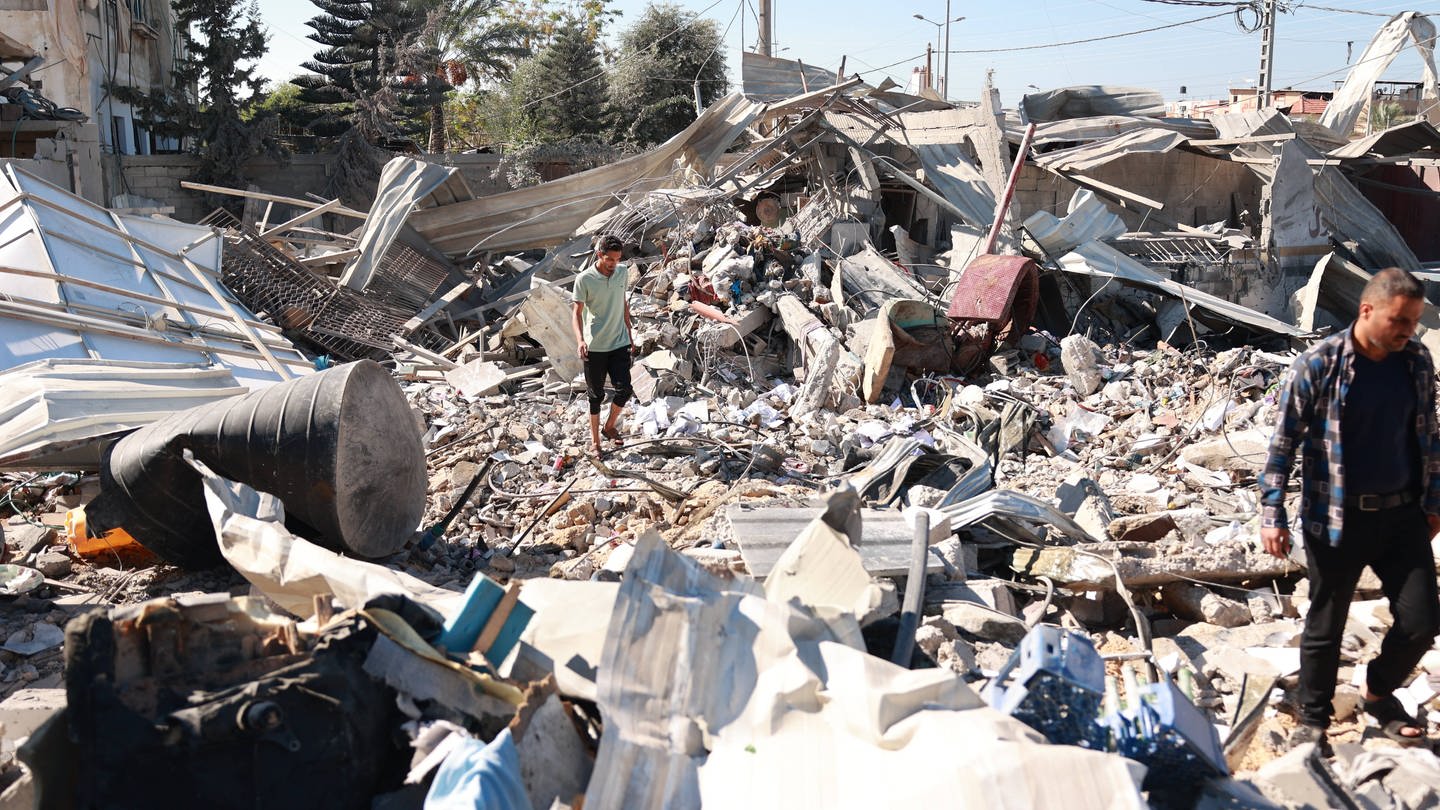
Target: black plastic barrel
[[340, 448]]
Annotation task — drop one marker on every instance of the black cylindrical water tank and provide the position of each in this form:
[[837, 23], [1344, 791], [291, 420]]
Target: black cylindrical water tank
[[340, 448]]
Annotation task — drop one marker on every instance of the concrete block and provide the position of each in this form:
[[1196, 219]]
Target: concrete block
[[25, 710]]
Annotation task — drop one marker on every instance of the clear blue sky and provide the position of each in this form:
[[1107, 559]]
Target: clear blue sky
[[883, 39]]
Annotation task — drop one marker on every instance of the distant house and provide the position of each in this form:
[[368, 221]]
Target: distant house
[[76, 50]]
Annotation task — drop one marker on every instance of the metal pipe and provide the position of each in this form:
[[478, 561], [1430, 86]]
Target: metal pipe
[[914, 592], [1004, 204]]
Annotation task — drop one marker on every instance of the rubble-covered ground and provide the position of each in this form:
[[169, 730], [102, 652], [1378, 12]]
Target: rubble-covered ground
[[737, 581]]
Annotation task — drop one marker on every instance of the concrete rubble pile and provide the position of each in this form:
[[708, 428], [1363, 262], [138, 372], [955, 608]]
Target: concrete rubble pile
[[914, 465]]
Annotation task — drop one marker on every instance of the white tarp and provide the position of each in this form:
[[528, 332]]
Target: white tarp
[[715, 696], [1344, 110]]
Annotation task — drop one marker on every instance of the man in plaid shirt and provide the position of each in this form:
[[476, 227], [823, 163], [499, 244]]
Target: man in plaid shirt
[[1369, 390]]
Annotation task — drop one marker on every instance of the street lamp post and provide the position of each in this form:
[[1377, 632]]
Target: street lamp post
[[945, 81]]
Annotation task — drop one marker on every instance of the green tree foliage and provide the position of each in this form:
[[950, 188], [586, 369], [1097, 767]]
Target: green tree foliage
[[357, 86], [352, 80], [464, 41], [662, 55], [558, 94], [542, 19], [222, 40]]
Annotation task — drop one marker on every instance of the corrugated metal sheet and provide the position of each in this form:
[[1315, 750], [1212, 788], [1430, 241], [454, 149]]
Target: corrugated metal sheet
[[959, 181], [548, 214], [766, 78], [1090, 100], [1100, 127], [56, 413], [79, 282], [1416, 136], [1094, 155]]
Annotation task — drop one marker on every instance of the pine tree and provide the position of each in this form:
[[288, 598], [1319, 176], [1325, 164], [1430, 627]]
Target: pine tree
[[222, 41], [652, 90], [564, 87], [352, 81]]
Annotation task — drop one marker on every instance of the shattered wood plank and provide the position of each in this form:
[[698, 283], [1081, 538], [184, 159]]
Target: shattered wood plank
[[301, 219], [438, 304], [274, 198], [425, 354], [1109, 190]]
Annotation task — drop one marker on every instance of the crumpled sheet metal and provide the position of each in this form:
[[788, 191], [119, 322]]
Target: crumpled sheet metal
[[1084, 101], [1099, 260], [548, 214], [1344, 110], [1090, 156], [404, 182], [717, 697], [1009, 505]]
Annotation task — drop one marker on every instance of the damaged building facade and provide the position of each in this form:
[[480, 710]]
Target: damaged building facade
[[946, 427]]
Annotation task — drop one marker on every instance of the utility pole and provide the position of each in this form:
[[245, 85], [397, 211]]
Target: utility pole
[[767, 22], [945, 81], [1267, 54]]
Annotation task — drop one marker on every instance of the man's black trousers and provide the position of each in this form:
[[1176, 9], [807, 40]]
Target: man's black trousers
[[1395, 543], [614, 364]]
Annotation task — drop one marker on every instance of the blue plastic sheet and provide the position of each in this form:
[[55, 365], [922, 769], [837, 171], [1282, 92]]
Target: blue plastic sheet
[[479, 776]]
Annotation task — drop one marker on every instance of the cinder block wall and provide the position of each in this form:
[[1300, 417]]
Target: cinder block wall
[[158, 177]]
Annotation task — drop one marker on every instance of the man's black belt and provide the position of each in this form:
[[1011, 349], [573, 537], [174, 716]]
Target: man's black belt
[[1375, 503]]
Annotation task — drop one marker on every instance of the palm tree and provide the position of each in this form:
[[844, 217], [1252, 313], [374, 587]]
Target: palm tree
[[465, 40]]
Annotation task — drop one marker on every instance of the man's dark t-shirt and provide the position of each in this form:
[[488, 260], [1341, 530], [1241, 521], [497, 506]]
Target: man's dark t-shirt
[[1377, 425]]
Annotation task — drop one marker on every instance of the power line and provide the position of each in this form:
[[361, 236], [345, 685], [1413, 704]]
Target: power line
[[721, 43], [1344, 10], [1092, 39]]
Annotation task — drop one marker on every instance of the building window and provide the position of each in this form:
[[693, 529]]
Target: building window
[[142, 138], [117, 135], [139, 10]]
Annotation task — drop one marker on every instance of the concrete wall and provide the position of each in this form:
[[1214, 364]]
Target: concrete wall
[[158, 177], [1195, 189]]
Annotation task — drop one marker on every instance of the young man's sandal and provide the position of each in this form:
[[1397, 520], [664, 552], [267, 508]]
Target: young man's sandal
[[1393, 720], [613, 434]]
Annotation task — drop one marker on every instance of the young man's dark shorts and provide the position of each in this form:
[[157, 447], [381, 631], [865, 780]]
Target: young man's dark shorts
[[614, 364]]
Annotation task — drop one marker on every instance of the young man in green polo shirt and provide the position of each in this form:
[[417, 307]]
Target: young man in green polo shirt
[[601, 320]]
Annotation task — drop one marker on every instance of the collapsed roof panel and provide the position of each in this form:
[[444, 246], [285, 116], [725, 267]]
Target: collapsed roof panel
[[547, 214], [1414, 136], [56, 411], [404, 182], [1100, 127], [1090, 100], [1094, 155], [766, 78], [1344, 110], [82, 282]]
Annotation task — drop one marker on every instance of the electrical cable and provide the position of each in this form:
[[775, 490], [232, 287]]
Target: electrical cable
[[1088, 40]]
